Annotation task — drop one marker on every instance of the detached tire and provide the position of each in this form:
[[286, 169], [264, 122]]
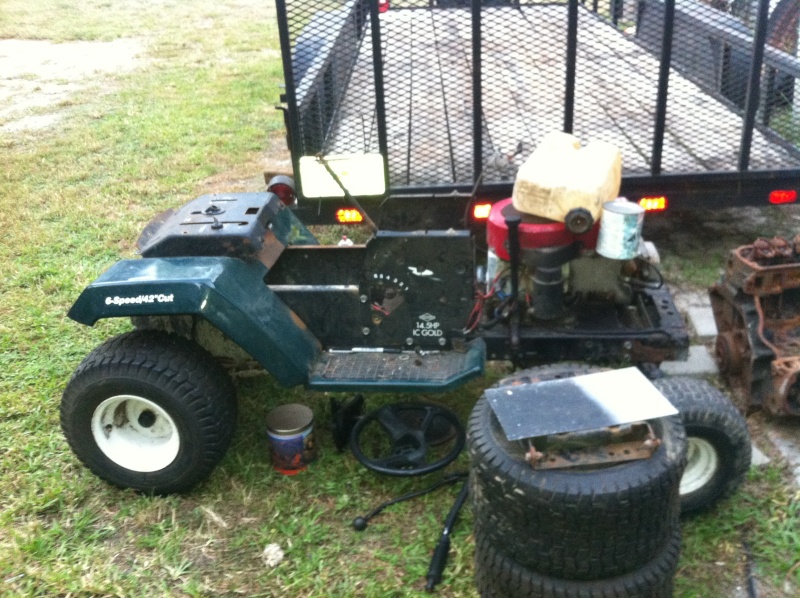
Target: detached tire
[[149, 411], [585, 523], [719, 449], [499, 576]]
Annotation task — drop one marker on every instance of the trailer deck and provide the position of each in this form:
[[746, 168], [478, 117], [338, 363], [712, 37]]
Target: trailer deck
[[427, 57], [453, 95]]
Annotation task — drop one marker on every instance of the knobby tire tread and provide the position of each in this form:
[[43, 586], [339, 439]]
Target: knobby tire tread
[[179, 368], [500, 576]]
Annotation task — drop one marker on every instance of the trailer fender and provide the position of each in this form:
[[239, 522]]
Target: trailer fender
[[228, 292]]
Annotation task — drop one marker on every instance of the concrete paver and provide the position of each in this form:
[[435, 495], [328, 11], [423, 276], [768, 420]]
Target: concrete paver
[[700, 363], [702, 320]]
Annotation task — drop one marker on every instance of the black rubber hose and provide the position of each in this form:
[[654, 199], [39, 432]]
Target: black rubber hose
[[360, 522], [442, 550]]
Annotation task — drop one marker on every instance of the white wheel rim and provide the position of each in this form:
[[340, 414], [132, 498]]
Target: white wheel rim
[[702, 463], [135, 433]]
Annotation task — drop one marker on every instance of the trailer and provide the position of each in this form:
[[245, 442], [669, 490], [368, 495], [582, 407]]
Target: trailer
[[448, 97]]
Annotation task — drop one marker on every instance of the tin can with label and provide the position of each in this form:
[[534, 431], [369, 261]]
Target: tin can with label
[[290, 430], [620, 230]]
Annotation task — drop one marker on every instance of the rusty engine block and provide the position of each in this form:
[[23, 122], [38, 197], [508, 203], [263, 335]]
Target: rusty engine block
[[757, 310]]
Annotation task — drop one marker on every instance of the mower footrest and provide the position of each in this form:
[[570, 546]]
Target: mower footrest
[[397, 372]]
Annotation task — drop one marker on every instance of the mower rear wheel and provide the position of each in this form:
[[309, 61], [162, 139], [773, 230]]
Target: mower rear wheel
[[583, 523], [719, 449], [149, 411]]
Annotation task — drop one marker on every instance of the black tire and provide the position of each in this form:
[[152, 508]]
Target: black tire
[[149, 411], [498, 576], [580, 524], [719, 450]]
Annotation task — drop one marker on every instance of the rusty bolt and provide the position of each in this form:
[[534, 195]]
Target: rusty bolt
[[533, 456], [652, 443]]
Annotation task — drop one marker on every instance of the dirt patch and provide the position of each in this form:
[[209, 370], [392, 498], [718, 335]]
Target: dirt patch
[[40, 77]]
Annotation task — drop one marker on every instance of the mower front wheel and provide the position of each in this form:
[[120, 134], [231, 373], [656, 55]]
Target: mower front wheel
[[149, 411]]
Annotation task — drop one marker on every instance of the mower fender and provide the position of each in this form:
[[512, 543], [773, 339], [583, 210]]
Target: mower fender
[[228, 292]]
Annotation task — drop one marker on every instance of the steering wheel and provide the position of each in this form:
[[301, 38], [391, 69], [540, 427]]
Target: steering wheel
[[398, 439]]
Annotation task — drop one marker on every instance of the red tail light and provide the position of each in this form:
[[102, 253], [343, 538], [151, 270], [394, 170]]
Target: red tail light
[[383, 5], [781, 196]]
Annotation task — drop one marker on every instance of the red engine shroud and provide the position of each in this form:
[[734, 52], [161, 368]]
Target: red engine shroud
[[534, 232]]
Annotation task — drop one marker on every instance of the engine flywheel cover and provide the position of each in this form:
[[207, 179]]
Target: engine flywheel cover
[[534, 232]]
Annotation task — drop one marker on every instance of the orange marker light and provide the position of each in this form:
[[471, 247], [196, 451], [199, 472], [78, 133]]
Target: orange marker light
[[780, 196], [480, 211], [349, 216], [654, 204]]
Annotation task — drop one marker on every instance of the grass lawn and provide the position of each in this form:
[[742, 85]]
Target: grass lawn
[[198, 110]]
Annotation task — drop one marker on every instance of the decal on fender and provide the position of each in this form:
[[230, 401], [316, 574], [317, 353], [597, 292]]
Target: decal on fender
[[140, 299]]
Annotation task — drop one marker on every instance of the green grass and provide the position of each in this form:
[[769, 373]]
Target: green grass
[[785, 122], [73, 199], [764, 519], [695, 245], [103, 20]]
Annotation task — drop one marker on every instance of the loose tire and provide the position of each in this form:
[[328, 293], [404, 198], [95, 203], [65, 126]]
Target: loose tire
[[499, 576], [149, 411], [579, 524], [719, 449]]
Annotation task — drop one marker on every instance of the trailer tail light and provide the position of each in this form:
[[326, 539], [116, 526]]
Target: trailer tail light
[[781, 196], [383, 5], [654, 204], [480, 211], [349, 216]]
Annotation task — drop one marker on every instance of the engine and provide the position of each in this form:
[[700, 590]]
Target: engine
[[556, 269]]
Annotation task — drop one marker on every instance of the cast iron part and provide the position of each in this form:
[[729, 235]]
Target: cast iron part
[[410, 428], [756, 307]]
